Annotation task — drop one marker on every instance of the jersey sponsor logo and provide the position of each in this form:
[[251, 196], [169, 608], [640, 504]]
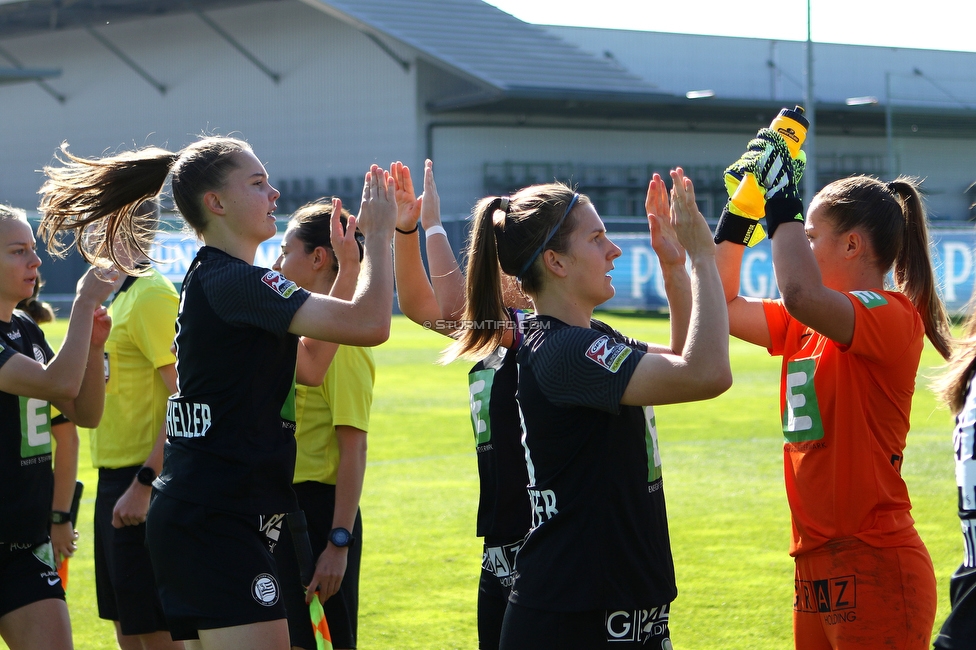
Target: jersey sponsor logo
[[271, 527], [801, 411], [187, 419], [834, 598], [640, 625], [35, 430], [609, 355], [500, 562], [14, 334], [39, 355], [279, 284], [264, 589], [870, 299], [479, 392], [650, 443], [543, 505]]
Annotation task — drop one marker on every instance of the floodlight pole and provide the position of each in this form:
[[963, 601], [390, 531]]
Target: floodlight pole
[[810, 184], [889, 128]]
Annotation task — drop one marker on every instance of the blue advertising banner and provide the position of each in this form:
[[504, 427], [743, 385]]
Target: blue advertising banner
[[637, 276]]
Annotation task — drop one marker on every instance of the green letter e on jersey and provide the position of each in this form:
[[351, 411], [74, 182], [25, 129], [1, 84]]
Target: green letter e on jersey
[[479, 387], [801, 412], [35, 427]]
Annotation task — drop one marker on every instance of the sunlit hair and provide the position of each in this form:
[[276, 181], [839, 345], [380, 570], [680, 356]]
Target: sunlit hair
[[506, 233], [95, 203], [10, 213], [892, 216]]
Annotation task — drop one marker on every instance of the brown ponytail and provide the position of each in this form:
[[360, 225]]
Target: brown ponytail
[[893, 217], [508, 236], [913, 267], [99, 200], [483, 285]]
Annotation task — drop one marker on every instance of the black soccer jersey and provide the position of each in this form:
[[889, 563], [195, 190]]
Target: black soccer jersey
[[599, 537], [26, 479], [231, 426], [503, 509]]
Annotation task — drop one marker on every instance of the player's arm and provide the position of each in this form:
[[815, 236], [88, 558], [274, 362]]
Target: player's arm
[[331, 565], [315, 356], [747, 320], [801, 285], [671, 257], [365, 320], [60, 381], [65, 476], [425, 301], [702, 370], [85, 410]]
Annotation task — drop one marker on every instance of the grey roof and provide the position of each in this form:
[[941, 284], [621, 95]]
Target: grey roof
[[491, 47]]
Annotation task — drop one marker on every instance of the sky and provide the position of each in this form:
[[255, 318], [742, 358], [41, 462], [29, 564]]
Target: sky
[[927, 24]]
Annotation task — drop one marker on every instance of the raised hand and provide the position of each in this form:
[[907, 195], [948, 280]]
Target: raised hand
[[344, 243], [378, 211], [408, 205], [101, 327], [688, 223], [430, 209], [96, 284], [664, 240]]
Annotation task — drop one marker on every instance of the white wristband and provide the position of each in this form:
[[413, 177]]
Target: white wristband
[[435, 230]]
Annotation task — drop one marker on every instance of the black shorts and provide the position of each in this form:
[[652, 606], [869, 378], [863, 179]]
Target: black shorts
[[959, 629], [213, 568], [342, 609], [497, 563], [525, 628], [124, 584], [27, 575]]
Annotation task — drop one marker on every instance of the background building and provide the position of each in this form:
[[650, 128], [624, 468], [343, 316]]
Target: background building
[[324, 88]]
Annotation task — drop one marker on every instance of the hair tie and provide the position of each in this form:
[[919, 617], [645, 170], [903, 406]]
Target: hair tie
[[503, 203]]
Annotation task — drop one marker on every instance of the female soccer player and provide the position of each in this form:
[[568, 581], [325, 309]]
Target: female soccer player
[[503, 511], [956, 388], [229, 459], [851, 350], [332, 419], [32, 608], [503, 508], [597, 559]]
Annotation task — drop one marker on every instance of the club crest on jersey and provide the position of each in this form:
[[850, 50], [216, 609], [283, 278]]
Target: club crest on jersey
[[609, 355], [279, 284]]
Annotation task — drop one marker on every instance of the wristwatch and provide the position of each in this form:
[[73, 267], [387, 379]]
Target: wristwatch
[[60, 517], [146, 475], [340, 537]]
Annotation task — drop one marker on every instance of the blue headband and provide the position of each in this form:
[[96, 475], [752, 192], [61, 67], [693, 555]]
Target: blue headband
[[552, 233]]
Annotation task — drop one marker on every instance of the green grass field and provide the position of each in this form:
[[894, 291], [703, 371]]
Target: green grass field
[[722, 459]]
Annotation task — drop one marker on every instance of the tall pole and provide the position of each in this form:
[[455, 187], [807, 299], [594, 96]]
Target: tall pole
[[889, 128], [810, 181]]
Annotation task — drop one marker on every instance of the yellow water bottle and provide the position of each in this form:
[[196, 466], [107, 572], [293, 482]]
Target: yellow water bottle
[[748, 197]]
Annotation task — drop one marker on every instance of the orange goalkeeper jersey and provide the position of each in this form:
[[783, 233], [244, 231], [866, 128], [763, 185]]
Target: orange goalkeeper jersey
[[845, 422]]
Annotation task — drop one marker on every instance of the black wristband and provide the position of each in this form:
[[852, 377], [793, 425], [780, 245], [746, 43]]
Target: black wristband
[[734, 228], [780, 210], [408, 232], [60, 517]]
